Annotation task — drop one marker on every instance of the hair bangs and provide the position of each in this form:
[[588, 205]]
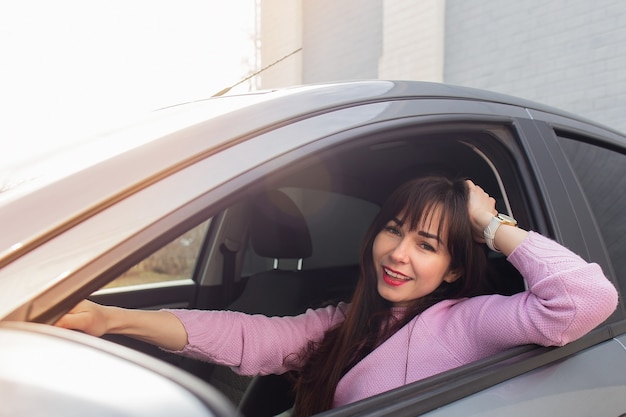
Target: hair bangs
[[419, 207]]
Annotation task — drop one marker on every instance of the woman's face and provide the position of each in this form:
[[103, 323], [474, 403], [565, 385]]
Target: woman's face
[[411, 264]]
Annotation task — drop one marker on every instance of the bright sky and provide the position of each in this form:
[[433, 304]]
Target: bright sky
[[72, 68]]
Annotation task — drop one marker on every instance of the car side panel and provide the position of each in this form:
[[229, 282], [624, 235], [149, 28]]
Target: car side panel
[[591, 383]]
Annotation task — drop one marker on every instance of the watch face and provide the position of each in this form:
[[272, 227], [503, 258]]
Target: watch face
[[507, 219]]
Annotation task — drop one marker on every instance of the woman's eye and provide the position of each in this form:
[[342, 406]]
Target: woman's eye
[[393, 230], [427, 246]]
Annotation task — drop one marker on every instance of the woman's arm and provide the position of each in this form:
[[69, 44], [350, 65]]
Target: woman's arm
[[566, 297], [255, 344], [159, 328]]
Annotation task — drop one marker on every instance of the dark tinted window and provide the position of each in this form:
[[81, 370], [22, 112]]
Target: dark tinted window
[[602, 175]]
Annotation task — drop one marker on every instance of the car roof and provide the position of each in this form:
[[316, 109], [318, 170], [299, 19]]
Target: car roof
[[288, 103]]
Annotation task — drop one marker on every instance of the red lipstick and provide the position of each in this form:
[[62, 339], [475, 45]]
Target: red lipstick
[[394, 278]]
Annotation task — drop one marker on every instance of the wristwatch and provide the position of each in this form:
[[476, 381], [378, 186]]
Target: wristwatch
[[490, 230]]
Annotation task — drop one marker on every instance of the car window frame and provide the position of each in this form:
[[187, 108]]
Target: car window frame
[[507, 145]]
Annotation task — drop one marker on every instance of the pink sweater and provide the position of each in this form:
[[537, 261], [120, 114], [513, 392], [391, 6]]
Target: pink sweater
[[567, 298]]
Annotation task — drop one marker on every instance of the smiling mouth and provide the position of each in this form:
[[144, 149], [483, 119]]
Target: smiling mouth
[[394, 278]]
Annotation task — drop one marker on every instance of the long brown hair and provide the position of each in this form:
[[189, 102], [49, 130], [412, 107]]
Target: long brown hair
[[369, 320]]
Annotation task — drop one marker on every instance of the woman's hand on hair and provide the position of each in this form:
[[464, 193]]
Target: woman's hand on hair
[[481, 208]]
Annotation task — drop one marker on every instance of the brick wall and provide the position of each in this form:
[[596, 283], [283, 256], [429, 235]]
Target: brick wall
[[569, 54]]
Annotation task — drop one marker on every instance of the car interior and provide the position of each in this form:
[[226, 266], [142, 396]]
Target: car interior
[[291, 240]]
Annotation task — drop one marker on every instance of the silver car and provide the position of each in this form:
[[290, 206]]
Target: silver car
[[161, 214]]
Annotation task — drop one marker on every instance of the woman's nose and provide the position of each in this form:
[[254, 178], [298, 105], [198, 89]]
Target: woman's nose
[[399, 252]]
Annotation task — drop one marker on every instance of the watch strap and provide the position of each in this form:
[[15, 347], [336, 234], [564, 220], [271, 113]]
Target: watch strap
[[490, 232]]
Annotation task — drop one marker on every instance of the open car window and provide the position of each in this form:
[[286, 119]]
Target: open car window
[[337, 206]]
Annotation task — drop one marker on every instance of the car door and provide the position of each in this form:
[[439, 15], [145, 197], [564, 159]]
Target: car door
[[590, 382]]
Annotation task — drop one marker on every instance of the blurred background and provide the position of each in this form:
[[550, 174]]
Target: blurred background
[[74, 68]]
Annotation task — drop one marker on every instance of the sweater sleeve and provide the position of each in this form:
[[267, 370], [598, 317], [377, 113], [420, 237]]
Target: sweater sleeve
[[566, 298], [254, 344]]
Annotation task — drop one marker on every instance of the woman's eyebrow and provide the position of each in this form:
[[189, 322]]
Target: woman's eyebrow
[[429, 236], [419, 232]]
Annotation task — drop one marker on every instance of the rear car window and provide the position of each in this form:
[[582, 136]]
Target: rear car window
[[602, 175]]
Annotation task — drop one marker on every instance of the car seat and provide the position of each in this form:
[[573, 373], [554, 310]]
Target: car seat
[[279, 234]]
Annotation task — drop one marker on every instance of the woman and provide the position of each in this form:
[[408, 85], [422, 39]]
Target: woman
[[418, 307]]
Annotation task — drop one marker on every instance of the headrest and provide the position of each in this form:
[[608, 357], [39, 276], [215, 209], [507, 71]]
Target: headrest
[[278, 229]]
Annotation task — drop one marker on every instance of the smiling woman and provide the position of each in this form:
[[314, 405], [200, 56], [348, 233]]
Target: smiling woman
[[413, 252]]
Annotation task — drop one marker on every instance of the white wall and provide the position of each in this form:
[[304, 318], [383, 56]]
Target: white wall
[[280, 35], [413, 40]]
